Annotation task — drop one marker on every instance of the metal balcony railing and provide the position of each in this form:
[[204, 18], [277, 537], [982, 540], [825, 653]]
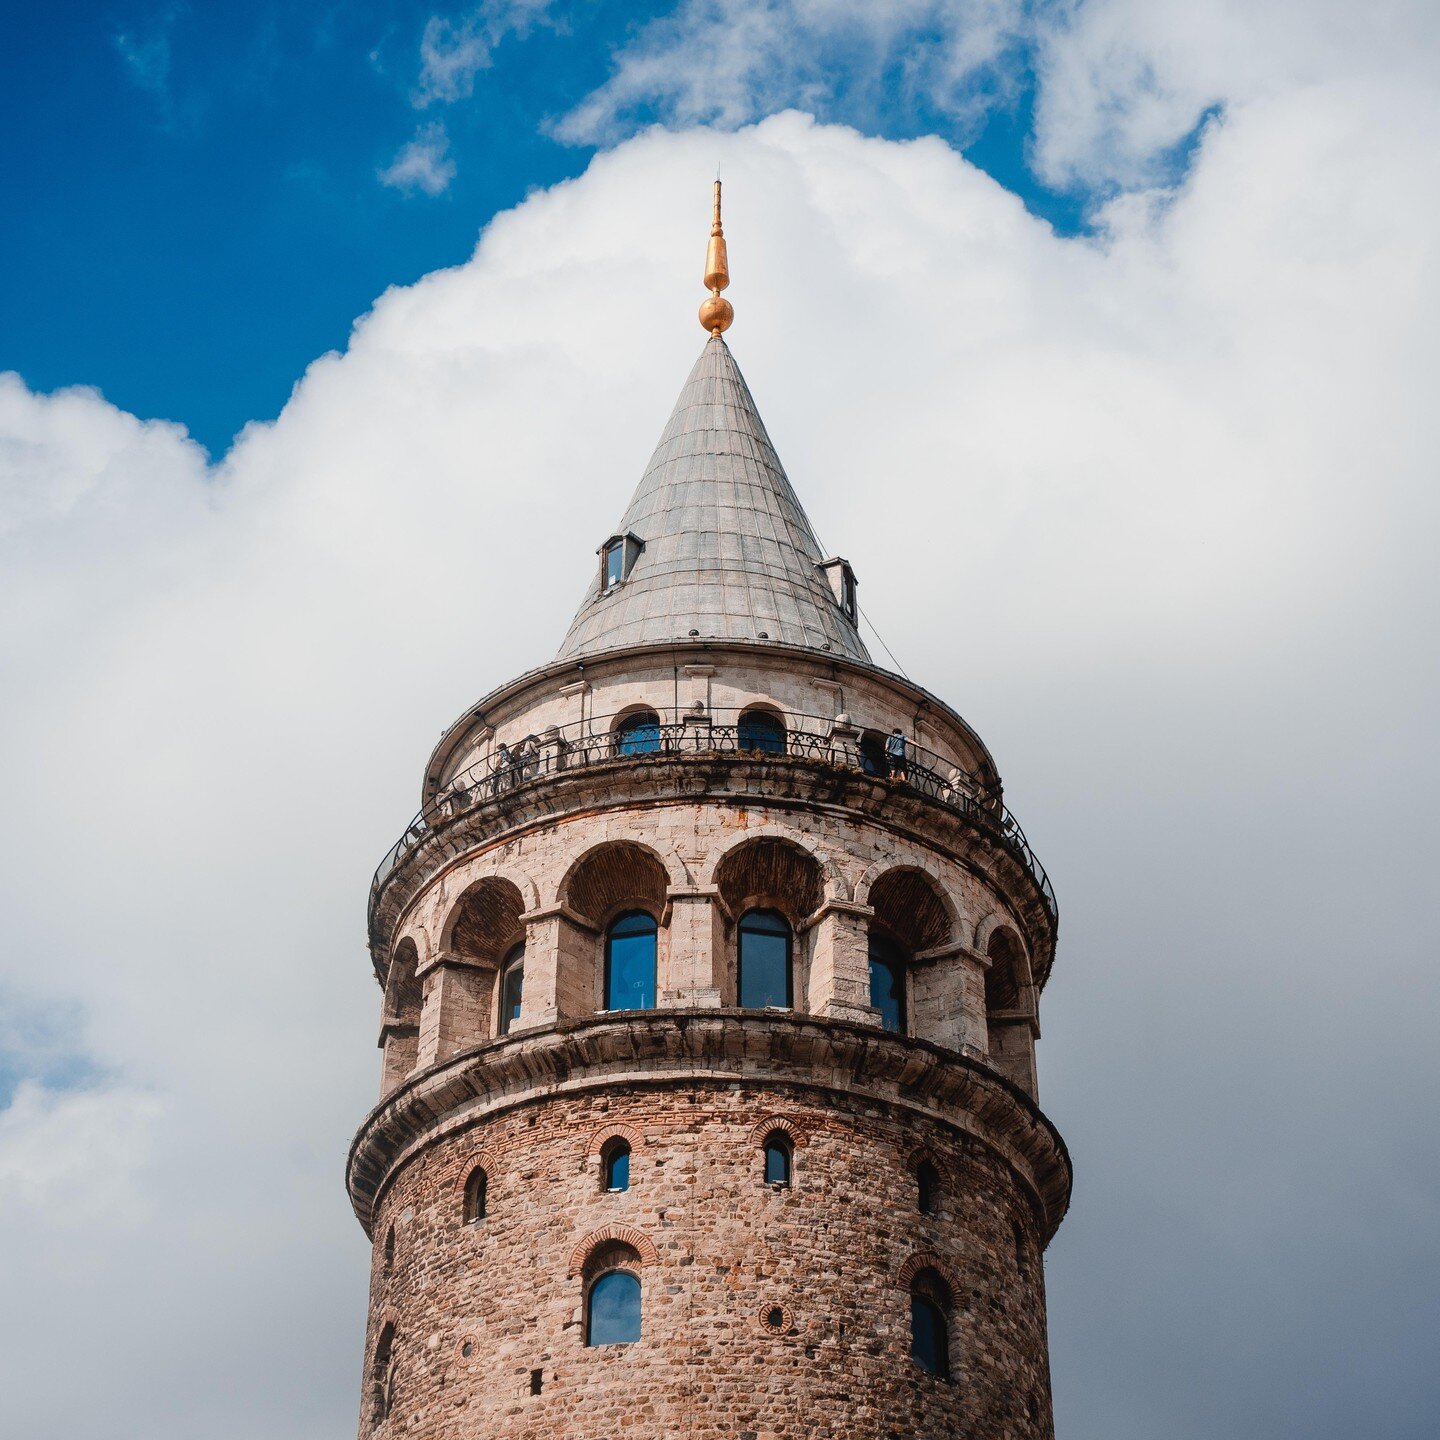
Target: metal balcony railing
[[597, 741]]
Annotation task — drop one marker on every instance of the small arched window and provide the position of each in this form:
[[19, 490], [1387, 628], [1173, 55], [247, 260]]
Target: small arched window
[[929, 1324], [388, 1263], [927, 1188], [779, 1158], [887, 982], [615, 1164], [476, 1195], [612, 1309], [381, 1376], [765, 945], [512, 988], [761, 732], [638, 734], [630, 962]]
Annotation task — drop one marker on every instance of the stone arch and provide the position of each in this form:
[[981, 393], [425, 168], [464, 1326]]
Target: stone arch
[[835, 886], [992, 922], [606, 1133], [609, 1235], [1010, 1009], [919, 1155], [762, 1130], [914, 907], [922, 1260], [939, 878], [613, 876], [483, 923]]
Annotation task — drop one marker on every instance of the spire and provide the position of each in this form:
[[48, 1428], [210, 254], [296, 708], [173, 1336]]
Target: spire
[[716, 313], [715, 544]]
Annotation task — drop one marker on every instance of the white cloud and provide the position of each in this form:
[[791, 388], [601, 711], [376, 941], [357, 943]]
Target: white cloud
[[454, 51], [1154, 510], [424, 163]]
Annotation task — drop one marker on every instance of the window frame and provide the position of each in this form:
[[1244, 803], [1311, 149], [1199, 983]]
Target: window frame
[[788, 931], [477, 1196], [779, 1143], [593, 1286], [606, 970], [628, 726], [616, 1148], [883, 951], [514, 960], [779, 737]]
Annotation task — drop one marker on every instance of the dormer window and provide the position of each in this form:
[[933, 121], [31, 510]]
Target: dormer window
[[617, 558], [842, 585]]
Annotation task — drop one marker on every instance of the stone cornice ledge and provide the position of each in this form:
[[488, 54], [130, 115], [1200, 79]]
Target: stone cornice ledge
[[671, 1047]]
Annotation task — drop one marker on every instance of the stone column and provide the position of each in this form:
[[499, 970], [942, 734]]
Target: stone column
[[456, 1011], [692, 979], [973, 1039], [399, 1039], [561, 982], [840, 962], [939, 997]]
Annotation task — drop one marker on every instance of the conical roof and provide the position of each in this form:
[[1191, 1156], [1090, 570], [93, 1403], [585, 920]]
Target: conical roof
[[727, 551]]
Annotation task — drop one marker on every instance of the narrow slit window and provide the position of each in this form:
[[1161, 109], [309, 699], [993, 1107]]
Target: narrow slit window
[[512, 988], [779, 1158], [616, 1164]]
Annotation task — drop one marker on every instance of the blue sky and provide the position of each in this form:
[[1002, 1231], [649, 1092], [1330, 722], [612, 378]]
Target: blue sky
[[192, 195]]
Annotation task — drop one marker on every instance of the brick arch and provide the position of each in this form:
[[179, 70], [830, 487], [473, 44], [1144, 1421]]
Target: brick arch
[[911, 905], [763, 1129], [482, 1159], [992, 922], [922, 864], [641, 1243], [606, 1133], [483, 922], [613, 875], [927, 1260], [922, 1153], [835, 885]]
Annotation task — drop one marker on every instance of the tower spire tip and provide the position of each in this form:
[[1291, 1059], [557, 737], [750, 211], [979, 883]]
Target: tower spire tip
[[716, 313]]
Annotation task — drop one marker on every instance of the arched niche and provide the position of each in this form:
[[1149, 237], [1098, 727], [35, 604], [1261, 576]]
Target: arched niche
[[775, 876], [400, 1024], [482, 927], [1010, 1009], [913, 953], [615, 879]]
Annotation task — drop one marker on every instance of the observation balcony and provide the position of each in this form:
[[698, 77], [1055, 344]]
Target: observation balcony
[[481, 800]]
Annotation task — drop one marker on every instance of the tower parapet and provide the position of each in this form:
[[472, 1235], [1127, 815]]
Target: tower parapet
[[711, 967]]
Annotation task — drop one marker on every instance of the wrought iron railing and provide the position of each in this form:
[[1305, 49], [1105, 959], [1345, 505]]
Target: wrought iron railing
[[596, 741]]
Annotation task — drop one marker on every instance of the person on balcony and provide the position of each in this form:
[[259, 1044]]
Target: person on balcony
[[895, 753]]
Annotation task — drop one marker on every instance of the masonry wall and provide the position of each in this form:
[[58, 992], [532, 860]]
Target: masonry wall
[[720, 1250]]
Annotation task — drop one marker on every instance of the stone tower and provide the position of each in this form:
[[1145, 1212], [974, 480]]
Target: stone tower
[[711, 968]]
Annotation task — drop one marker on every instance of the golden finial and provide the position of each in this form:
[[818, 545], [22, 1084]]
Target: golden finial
[[716, 313]]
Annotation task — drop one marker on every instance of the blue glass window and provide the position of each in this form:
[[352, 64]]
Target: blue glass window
[[512, 985], [614, 563], [765, 961], [929, 1335], [638, 734], [778, 1155], [759, 730], [612, 1312], [630, 963], [617, 1165], [887, 983]]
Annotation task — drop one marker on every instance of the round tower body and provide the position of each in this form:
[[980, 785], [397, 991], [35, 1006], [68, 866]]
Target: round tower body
[[711, 972]]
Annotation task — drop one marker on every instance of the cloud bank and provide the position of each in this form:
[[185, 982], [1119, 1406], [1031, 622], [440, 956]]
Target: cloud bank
[[1153, 509]]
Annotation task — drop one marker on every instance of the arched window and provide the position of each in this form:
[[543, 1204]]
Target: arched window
[[887, 982], [615, 1164], [380, 1373], [765, 945], [929, 1327], [630, 962], [927, 1188], [476, 1188], [779, 1158], [612, 1309], [638, 734], [512, 987], [761, 731]]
